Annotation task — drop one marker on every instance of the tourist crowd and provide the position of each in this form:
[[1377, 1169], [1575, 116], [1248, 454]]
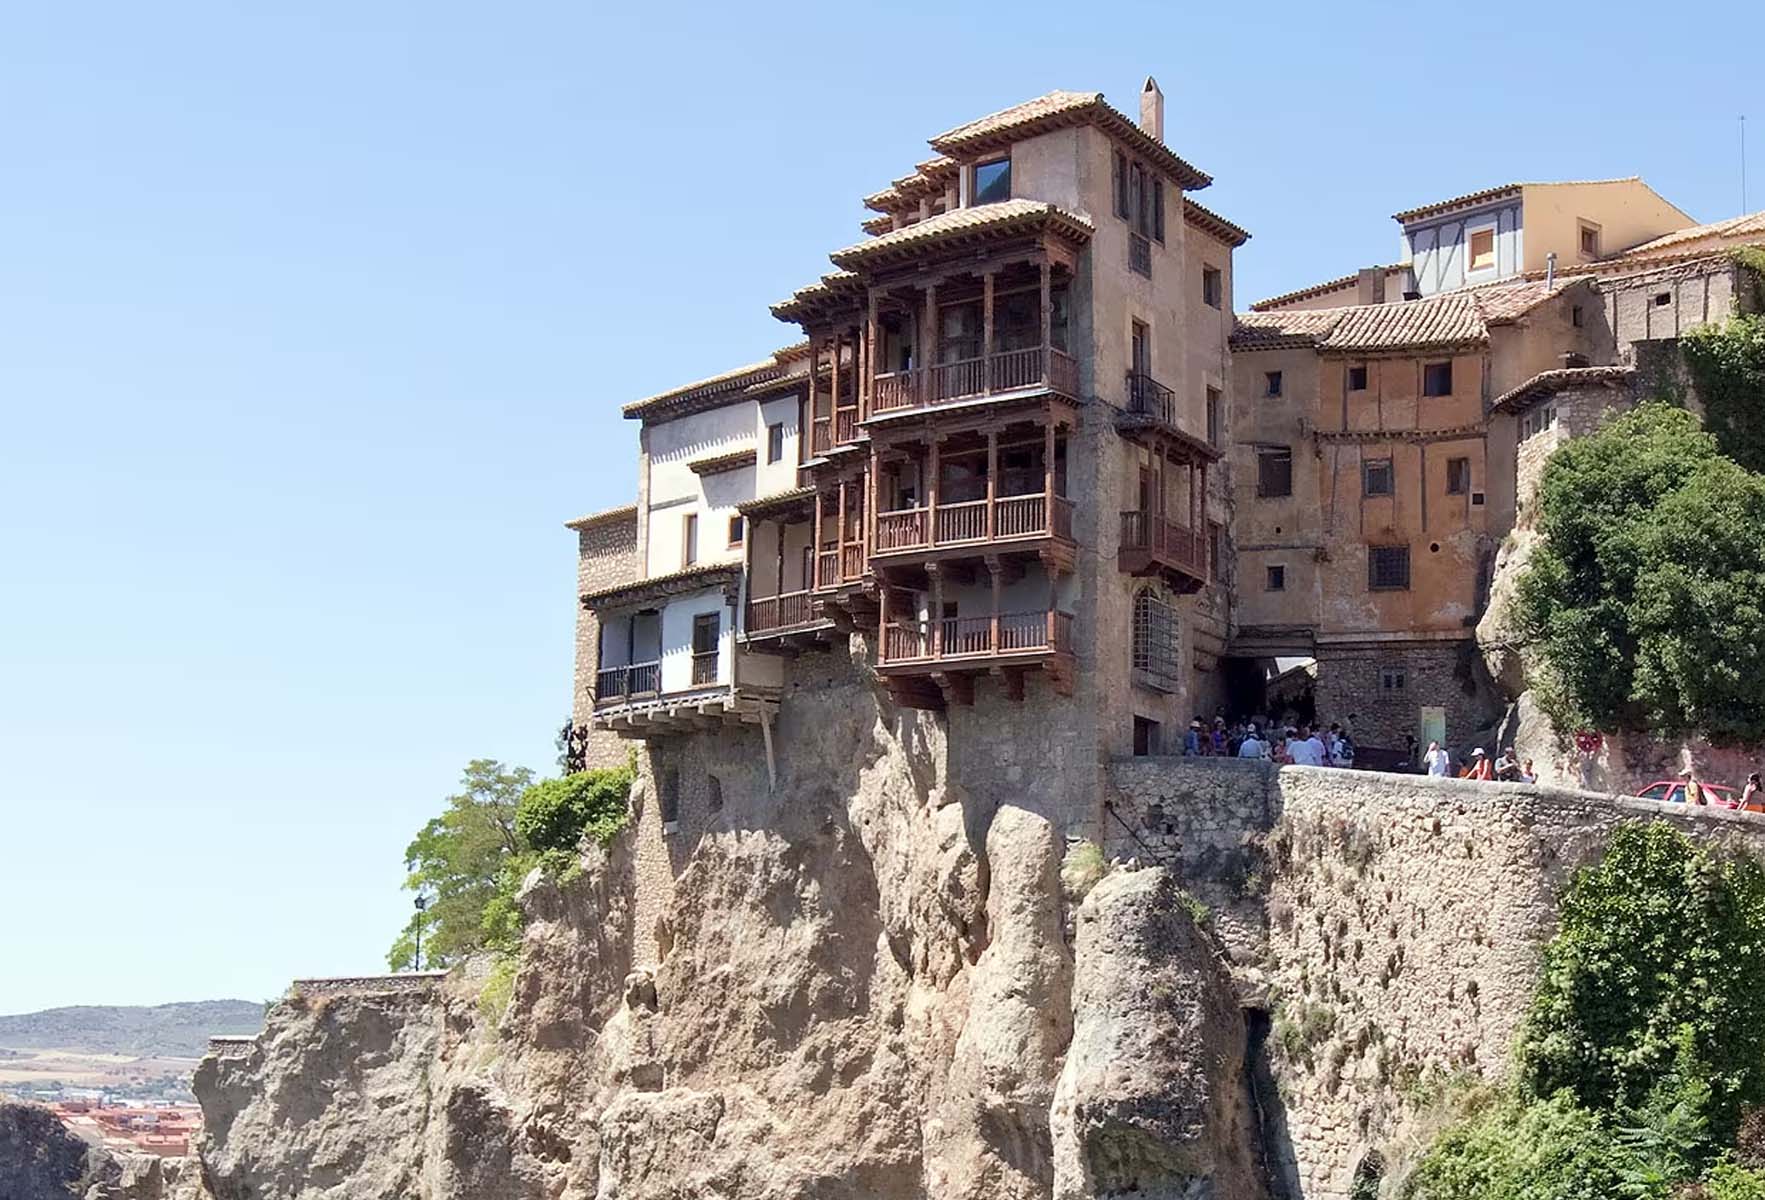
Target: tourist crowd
[[1507, 766], [1301, 745]]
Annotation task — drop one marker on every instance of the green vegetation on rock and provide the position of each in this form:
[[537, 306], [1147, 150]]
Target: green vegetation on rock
[[1727, 366], [1646, 599], [469, 862]]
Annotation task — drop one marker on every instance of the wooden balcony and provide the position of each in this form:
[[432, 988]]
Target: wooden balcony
[[1037, 369], [829, 433], [785, 624], [835, 568], [948, 652], [1152, 544], [618, 685], [973, 525]]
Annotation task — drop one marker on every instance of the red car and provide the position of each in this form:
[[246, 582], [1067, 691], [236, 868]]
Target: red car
[[1673, 791]]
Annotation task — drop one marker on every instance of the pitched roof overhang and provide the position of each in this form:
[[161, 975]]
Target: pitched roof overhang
[[662, 587], [1058, 110], [1549, 383], [963, 228]]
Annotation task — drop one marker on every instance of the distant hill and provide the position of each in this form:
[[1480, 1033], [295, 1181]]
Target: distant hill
[[175, 1030]]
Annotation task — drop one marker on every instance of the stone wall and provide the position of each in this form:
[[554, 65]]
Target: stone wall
[[1390, 924], [607, 555], [1352, 687]]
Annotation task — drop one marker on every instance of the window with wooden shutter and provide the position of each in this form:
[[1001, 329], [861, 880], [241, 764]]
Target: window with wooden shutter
[[1274, 471]]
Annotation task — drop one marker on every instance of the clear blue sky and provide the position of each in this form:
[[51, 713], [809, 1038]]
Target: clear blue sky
[[315, 320]]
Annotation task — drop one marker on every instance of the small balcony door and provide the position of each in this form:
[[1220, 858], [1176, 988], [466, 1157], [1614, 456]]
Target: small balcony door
[[707, 633], [1141, 349]]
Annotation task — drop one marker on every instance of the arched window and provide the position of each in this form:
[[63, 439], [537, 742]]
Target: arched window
[[1156, 658]]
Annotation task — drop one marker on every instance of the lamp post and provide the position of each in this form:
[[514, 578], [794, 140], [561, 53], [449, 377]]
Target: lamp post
[[422, 903]]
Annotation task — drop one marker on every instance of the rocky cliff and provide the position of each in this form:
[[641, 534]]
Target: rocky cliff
[[41, 1160], [850, 976]]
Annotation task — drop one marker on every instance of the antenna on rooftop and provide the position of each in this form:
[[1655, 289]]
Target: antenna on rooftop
[[1743, 163]]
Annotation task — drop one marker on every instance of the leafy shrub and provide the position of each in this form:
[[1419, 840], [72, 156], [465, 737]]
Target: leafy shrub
[[555, 814], [1727, 366], [1651, 983], [1731, 1181], [1081, 869], [1516, 1150], [498, 990], [1646, 598]]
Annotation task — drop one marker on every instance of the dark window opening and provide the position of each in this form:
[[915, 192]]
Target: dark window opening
[[1388, 568], [1145, 737], [1477, 499], [1437, 379], [1158, 211], [735, 531], [1121, 184], [1576, 317], [1277, 579], [1376, 477], [1458, 476], [1357, 379], [670, 798], [1391, 679], [1274, 471], [1663, 299], [992, 182], [1212, 291], [1590, 241], [713, 794], [1272, 383], [1213, 416], [775, 442]]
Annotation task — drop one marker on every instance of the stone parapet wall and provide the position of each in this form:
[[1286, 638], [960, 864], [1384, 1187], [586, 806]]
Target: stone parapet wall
[[404, 983], [1390, 924]]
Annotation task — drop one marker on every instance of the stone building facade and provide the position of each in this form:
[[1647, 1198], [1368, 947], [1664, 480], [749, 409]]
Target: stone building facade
[[606, 556]]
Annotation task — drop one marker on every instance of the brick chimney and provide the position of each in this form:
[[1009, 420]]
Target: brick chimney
[[1370, 286], [1152, 110]]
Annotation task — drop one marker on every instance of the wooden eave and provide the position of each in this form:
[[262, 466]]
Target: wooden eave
[[720, 464], [968, 146], [728, 576], [1133, 424], [1457, 433], [779, 504]]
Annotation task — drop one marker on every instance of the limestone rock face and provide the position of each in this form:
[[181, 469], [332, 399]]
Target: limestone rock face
[[1498, 634], [1150, 1100], [41, 1160]]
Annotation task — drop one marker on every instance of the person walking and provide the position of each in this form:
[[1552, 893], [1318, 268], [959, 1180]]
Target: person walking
[[1436, 761]]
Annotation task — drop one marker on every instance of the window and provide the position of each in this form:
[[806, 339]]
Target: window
[[735, 531], [1155, 642], [1458, 476], [1158, 210], [1357, 379], [1271, 383], [1145, 737], [1274, 471], [1388, 568], [1391, 679], [1376, 477], [1537, 421], [1140, 347], [670, 800], [707, 632], [1120, 180], [1137, 199], [1575, 316], [1213, 416], [689, 539], [1590, 240], [1437, 379], [1482, 251], [1276, 579], [1212, 294], [992, 182], [1663, 299], [775, 442]]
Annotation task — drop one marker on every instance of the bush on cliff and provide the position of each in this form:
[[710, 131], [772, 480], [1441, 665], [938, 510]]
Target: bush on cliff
[[557, 813], [1646, 598], [1727, 365]]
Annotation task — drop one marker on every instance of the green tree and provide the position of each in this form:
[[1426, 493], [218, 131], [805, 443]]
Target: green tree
[[1649, 999], [458, 863], [1646, 599], [555, 813]]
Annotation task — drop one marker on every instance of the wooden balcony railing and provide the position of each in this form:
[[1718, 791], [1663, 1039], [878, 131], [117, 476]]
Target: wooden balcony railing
[[620, 683], [955, 638], [852, 562], [704, 668], [1149, 398], [767, 613], [845, 426], [1008, 371], [968, 521], [1178, 544]]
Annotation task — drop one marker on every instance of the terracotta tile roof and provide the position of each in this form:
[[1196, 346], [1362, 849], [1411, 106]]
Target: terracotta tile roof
[[1057, 110], [1499, 192], [1464, 201], [1319, 289], [827, 291], [881, 224], [717, 464], [1547, 383], [771, 375], [1448, 320], [1253, 331], [1006, 217], [605, 516], [1734, 229], [778, 502], [1212, 223]]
